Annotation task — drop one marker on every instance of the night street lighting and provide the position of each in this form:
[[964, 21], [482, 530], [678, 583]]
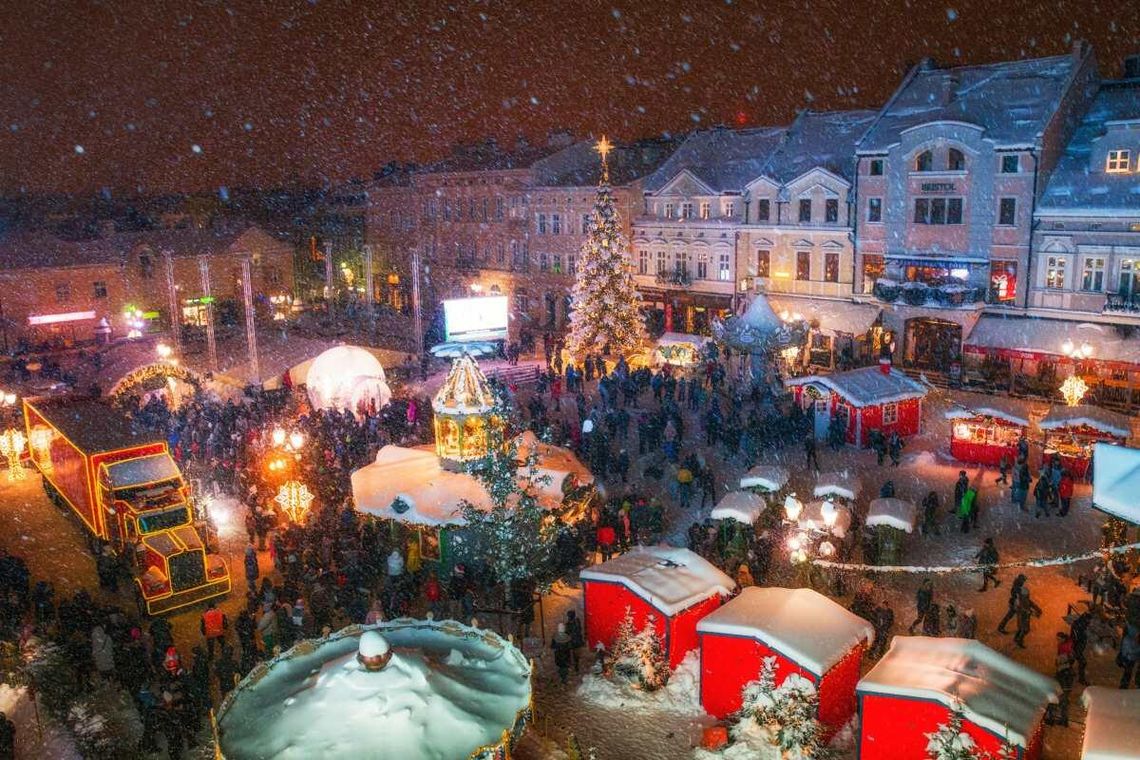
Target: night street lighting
[[12, 442]]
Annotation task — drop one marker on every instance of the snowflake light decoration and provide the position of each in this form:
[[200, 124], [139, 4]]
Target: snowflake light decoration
[[295, 500], [1073, 390]]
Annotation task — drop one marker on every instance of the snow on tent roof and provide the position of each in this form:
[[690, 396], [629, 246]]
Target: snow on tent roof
[[669, 578], [770, 477], [866, 386], [554, 462], [990, 689], [142, 470], [1045, 336], [833, 317], [839, 483], [742, 506], [1112, 727], [1112, 423], [1116, 481], [969, 405], [434, 496], [812, 518], [802, 625], [893, 513], [760, 315]]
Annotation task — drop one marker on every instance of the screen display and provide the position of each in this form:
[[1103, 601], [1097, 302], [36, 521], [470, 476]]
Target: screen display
[[471, 319]]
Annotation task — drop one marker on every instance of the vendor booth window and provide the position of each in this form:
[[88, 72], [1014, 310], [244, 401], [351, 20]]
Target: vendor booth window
[[1092, 279], [890, 414], [1055, 273]]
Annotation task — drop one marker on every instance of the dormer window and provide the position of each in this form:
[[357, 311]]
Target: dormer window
[[924, 161], [956, 161], [1119, 161]]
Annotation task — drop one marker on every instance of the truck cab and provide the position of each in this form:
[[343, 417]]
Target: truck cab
[[150, 521]]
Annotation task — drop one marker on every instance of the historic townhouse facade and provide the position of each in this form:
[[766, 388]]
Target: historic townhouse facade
[[947, 180]]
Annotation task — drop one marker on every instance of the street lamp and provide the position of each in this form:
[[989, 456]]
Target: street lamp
[[278, 437], [12, 443]]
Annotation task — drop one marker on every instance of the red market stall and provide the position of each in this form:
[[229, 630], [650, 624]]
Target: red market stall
[[985, 428], [870, 398], [1071, 432], [920, 681], [676, 587], [806, 632]]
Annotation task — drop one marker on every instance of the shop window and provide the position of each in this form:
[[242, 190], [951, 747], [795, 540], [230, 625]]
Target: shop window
[[803, 265], [1007, 211], [99, 289], [876, 167], [62, 292], [874, 209], [1010, 164], [763, 210], [1092, 277], [1055, 273], [763, 263], [805, 209], [955, 160], [890, 414], [924, 161], [831, 210], [1003, 281], [831, 267]]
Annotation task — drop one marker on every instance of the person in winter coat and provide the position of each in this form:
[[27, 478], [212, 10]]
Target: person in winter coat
[[251, 570], [894, 448], [213, 625], [102, 652], [932, 621], [1003, 469], [1079, 634], [960, 487], [987, 556], [433, 595], [1058, 715], [1065, 492], [225, 668], [930, 514], [606, 538], [923, 600], [577, 638], [267, 629], [1128, 656], [967, 509], [562, 646], [1014, 596], [1026, 609], [1042, 495]]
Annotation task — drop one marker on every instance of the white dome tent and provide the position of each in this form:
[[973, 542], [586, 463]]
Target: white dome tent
[[347, 378]]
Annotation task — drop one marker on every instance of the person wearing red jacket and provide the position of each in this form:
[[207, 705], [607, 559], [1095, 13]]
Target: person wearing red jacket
[[1065, 492], [606, 538], [433, 592]]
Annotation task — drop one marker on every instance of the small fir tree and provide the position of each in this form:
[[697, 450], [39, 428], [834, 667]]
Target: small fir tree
[[638, 656], [605, 308], [789, 712], [950, 742]]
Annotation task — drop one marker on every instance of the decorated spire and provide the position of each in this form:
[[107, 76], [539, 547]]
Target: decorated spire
[[465, 390]]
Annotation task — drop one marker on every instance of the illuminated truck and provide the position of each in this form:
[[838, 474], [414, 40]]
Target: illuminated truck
[[127, 490]]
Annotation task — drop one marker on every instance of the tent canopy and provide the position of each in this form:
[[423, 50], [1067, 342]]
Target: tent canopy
[[769, 477], [843, 484], [742, 506], [346, 378], [893, 513]]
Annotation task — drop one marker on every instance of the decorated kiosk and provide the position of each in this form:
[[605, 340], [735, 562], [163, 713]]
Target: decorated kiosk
[[889, 522], [1112, 724], [679, 349], [762, 336], [1072, 431], [807, 633], [404, 690], [464, 410], [347, 378], [921, 682], [870, 398], [983, 429], [675, 587]]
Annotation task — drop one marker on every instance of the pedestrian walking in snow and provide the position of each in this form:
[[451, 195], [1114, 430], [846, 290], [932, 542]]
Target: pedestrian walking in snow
[[561, 646], [1026, 609], [923, 600], [1014, 596], [987, 557], [809, 452]]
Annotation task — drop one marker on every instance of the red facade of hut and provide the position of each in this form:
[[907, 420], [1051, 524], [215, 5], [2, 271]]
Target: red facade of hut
[[984, 429], [1072, 431], [866, 399], [807, 634], [913, 690], [676, 587]]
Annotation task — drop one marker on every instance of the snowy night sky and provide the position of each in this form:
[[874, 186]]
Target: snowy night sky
[[193, 94]]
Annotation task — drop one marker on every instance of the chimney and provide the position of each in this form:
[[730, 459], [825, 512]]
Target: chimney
[[1132, 66], [1080, 50]]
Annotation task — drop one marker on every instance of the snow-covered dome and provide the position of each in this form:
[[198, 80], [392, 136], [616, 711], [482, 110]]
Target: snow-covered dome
[[443, 690], [760, 316], [347, 377]]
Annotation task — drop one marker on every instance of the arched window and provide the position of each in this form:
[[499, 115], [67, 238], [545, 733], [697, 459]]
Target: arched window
[[924, 161], [956, 161]]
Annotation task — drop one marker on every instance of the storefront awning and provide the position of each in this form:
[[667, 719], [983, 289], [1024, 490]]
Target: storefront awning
[[1046, 336], [934, 260], [833, 317]]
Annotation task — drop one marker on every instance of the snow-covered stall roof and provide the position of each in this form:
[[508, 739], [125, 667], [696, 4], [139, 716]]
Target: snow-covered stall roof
[[142, 470], [1103, 420], [989, 689], [1046, 336], [465, 391], [800, 624], [816, 514], [669, 578], [1116, 481], [770, 477], [553, 462], [446, 691], [842, 483], [742, 506], [893, 513], [833, 317], [866, 386], [434, 496], [970, 405], [1112, 725]]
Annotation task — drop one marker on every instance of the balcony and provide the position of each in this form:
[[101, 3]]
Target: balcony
[[678, 277], [939, 295], [1118, 303]]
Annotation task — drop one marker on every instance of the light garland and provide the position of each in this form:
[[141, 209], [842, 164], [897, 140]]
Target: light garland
[[12, 443], [1064, 559]]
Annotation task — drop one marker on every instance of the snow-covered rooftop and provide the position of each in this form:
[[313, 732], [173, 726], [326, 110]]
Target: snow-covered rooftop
[[1104, 420], [893, 513], [742, 506], [833, 317], [1047, 335], [820, 139], [578, 166], [724, 159], [1112, 725], [770, 477], [803, 625], [866, 386], [990, 689], [843, 483], [1080, 182], [447, 691], [465, 391], [970, 405], [1116, 481], [1011, 101], [669, 578]]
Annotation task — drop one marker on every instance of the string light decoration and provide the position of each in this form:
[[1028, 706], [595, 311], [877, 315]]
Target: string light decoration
[[295, 499], [1073, 390], [605, 308], [12, 442], [41, 438]]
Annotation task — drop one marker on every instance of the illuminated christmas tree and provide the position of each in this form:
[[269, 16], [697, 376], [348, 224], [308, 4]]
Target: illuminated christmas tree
[[605, 316]]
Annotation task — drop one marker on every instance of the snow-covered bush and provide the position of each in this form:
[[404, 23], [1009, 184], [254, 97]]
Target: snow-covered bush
[[50, 672], [638, 656], [788, 711], [950, 742]]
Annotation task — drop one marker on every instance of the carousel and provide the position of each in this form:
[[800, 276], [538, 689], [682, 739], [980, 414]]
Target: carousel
[[403, 690], [761, 335]]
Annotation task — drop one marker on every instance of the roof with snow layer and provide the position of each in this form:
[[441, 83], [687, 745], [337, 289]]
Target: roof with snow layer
[[724, 159], [669, 578], [1012, 101], [820, 140], [866, 386]]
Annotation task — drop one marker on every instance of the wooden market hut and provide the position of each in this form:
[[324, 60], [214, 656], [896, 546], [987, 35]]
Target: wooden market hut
[[870, 398], [983, 429], [1072, 431]]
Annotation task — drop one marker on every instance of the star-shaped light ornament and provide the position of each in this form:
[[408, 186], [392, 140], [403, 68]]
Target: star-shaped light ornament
[[295, 500], [604, 147]]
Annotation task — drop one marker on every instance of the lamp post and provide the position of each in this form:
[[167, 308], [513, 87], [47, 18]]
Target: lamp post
[[12, 442]]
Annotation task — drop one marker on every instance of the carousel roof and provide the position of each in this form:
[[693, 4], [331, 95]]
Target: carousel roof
[[760, 315], [465, 391]]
